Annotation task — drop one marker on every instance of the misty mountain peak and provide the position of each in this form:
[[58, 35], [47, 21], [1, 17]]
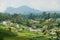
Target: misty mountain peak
[[21, 9]]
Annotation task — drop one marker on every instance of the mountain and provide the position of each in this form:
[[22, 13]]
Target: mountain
[[22, 10]]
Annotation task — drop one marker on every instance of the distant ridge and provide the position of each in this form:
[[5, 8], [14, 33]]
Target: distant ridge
[[22, 10]]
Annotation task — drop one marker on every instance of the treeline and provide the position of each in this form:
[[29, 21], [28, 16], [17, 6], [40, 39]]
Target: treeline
[[23, 19]]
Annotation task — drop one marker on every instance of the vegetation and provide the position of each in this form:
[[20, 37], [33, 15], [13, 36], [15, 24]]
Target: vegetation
[[45, 26]]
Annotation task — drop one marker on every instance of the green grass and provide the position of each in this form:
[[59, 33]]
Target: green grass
[[27, 36], [24, 35]]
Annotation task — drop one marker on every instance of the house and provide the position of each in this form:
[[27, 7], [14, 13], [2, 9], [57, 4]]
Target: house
[[13, 29], [6, 23], [29, 29], [17, 26], [34, 27], [34, 30], [53, 32], [50, 20]]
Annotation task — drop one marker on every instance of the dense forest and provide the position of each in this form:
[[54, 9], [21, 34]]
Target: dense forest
[[42, 26], [19, 18]]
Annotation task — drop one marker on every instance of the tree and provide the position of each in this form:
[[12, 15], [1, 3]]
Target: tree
[[48, 16], [31, 16], [54, 16], [44, 15], [1, 17], [9, 17]]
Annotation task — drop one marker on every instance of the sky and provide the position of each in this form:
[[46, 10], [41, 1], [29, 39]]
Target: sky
[[43, 5]]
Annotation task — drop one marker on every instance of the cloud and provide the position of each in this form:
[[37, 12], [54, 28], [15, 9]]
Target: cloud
[[36, 4], [45, 4]]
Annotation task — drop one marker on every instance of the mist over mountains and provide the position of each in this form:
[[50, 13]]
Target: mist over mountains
[[25, 10], [22, 10]]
